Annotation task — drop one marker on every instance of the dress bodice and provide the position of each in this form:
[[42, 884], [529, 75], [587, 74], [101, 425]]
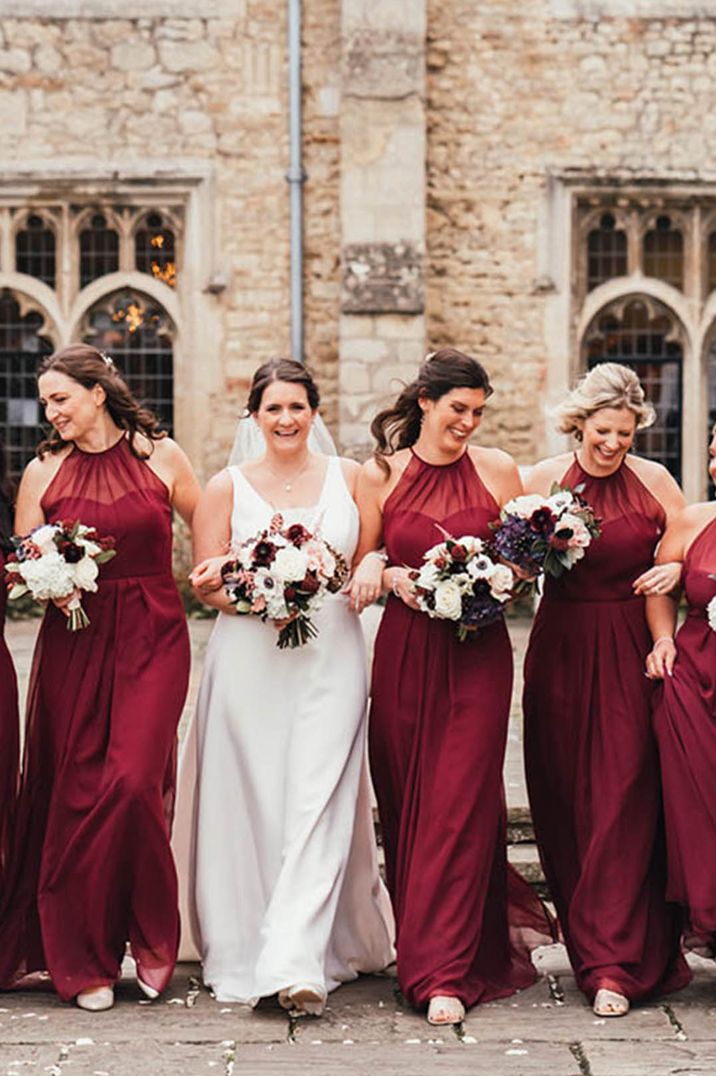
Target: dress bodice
[[335, 514], [430, 498], [699, 568], [632, 522], [121, 496]]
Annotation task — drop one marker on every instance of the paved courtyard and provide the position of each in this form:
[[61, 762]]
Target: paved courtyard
[[547, 1029]]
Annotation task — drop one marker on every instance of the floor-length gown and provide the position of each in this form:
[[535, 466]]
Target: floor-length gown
[[9, 731], [591, 762], [286, 879], [91, 867], [685, 726], [438, 730]]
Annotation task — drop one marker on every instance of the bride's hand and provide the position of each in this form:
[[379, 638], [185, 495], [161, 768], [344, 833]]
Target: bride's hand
[[661, 579], [366, 584], [398, 580], [206, 576]]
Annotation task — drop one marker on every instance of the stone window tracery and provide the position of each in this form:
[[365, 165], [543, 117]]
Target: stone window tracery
[[664, 252], [71, 245], [606, 251]]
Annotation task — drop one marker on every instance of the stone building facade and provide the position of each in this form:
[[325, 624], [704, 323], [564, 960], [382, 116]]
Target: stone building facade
[[531, 180]]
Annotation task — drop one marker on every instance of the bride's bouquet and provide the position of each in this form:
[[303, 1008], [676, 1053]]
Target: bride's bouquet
[[283, 574], [546, 534], [56, 560], [460, 581]]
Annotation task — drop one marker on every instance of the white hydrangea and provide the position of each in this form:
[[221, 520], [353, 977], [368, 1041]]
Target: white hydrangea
[[524, 505], [47, 578], [44, 538]]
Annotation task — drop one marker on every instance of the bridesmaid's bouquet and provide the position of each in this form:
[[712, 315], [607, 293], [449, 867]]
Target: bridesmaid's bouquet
[[546, 534], [56, 560], [459, 580], [283, 574]]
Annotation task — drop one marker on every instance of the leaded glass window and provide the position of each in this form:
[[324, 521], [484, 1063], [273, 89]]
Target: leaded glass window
[[22, 345], [35, 250], [137, 333], [154, 249], [644, 336], [664, 252], [99, 249], [606, 252]]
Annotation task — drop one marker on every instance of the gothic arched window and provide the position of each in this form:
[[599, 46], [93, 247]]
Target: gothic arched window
[[154, 249], [35, 250], [606, 251], [664, 252], [137, 333], [645, 335], [22, 345], [99, 249]]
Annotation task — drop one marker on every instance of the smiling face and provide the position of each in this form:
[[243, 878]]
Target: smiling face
[[607, 436], [285, 416], [72, 409], [450, 421]]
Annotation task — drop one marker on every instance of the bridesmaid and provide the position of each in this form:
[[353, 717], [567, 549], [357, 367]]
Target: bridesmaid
[[685, 714], [592, 770], [438, 723], [91, 867], [9, 723]]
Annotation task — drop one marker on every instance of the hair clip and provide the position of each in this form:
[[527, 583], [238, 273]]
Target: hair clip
[[106, 359]]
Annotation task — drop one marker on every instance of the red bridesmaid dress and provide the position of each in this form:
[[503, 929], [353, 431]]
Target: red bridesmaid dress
[[437, 733], [91, 867], [685, 726], [590, 755], [9, 731]]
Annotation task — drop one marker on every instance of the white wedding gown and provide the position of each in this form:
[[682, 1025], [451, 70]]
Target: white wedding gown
[[285, 879]]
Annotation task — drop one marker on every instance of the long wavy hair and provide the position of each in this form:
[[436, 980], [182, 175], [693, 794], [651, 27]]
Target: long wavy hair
[[7, 496], [399, 426], [89, 366]]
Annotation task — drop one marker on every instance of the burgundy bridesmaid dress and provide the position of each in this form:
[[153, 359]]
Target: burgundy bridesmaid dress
[[9, 731], [592, 766], [91, 867], [438, 729], [685, 726]]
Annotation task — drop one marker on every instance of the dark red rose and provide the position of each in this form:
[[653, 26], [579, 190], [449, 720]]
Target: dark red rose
[[297, 534], [458, 552], [264, 553]]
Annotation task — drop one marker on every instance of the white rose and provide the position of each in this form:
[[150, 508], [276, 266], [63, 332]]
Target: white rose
[[49, 577], [524, 505], [44, 537], [711, 613], [85, 573], [470, 544], [439, 550], [572, 555], [501, 582], [290, 564], [448, 600]]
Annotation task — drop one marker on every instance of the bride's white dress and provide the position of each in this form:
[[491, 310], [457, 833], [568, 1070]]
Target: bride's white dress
[[286, 887]]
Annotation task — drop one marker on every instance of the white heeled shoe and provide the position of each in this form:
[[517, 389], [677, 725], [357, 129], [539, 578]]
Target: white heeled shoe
[[303, 999], [610, 1003], [147, 990], [97, 999], [444, 1009]]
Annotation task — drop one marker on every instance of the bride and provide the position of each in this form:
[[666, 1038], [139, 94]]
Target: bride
[[286, 893]]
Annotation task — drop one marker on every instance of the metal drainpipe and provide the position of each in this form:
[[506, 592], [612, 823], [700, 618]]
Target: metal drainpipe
[[296, 177]]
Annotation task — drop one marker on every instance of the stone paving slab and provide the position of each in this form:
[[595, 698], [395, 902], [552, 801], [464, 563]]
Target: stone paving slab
[[650, 1059]]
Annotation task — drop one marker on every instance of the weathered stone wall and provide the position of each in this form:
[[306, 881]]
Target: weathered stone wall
[[521, 92]]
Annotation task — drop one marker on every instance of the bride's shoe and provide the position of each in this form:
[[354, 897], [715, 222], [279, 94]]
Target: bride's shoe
[[444, 1009], [610, 1003], [96, 999], [303, 999]]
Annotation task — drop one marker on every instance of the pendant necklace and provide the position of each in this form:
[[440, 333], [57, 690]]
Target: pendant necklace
[[288, 483]]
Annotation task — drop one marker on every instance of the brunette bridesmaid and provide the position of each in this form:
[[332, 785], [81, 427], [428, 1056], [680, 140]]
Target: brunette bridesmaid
[[685, 715], [438, 723], [91, 867], [592, 769], [9, 723]]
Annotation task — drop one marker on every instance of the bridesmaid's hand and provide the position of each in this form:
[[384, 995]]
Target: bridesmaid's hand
[[63, 604], [398, 580], [206, 576], [660, 662], [661, 579], [366, 584]]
